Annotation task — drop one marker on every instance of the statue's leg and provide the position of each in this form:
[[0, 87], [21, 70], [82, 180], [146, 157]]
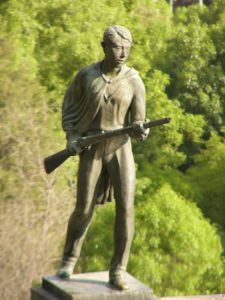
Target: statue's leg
[[87, 187], [122, 172]]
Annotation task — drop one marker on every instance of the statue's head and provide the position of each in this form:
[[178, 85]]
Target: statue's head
[[116, 44]]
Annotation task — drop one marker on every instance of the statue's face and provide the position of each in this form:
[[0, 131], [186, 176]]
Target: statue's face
[[117, 51]]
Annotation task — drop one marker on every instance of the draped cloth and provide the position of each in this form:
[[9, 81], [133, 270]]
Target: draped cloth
[[82, 99]]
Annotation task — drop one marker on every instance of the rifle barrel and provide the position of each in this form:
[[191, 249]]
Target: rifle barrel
[[96, 138]]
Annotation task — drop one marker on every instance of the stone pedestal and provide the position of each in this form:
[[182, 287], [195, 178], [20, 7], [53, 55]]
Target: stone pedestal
[[90, 286], [199, 297]]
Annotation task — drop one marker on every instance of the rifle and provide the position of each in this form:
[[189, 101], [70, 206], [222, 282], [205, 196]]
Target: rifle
[[55, 160]]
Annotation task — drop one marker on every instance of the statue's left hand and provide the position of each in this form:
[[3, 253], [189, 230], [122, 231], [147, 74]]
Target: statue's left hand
[[139, 132]]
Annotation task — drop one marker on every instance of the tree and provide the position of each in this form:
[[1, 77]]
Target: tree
[[32, 205], [181, 60]]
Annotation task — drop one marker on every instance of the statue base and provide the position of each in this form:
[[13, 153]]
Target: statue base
[[90, 286]]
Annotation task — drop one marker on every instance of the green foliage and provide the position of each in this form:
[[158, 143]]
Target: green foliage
[[166, 145], [66, 36], [180, 251], [197, 77], [208, 177], [30, 202]]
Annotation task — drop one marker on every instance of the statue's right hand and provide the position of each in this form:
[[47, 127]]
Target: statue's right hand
[[73, 144]]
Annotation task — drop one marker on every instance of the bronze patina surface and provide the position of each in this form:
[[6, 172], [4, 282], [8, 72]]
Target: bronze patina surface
[[106, 95]]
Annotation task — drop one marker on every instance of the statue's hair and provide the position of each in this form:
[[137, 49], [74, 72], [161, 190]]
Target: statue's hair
[[113, 31]]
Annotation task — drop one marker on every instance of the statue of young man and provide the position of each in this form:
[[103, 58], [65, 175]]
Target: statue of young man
[[104, 96]]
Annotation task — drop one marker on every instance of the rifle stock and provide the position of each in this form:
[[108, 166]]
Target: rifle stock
[[54, 161]]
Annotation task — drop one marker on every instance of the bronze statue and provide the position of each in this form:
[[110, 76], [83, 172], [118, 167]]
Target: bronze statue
[[104, 96]]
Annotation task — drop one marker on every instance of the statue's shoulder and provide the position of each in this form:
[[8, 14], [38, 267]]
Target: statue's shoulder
[[130, 73], [89, 70], [133, 76]]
